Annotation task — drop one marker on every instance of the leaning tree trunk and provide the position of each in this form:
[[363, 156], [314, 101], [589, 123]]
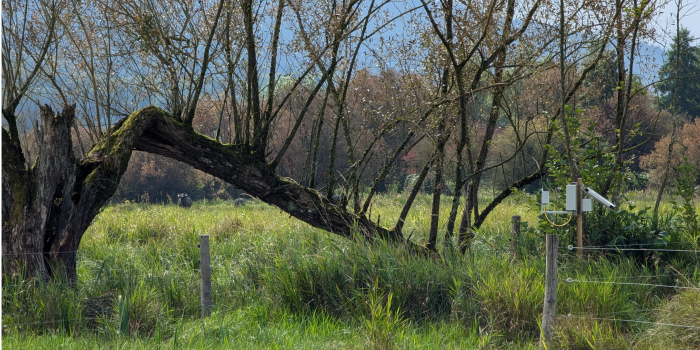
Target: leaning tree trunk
[[48, 208], [35, 214]]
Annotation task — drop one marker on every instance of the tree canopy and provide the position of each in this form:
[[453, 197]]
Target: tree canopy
[[687, 72], [299, 102]]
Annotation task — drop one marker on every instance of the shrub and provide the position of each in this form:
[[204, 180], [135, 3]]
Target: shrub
[[688, 147]]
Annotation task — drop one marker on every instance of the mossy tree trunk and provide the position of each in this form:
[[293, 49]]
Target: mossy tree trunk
[[38, 213], [47, 208]]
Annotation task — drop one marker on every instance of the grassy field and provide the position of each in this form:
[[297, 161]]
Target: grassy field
[[280, 284]]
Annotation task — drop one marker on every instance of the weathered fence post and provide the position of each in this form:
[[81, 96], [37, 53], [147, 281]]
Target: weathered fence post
[[550, 288], [579, 216], [205, 271], [515, 234]]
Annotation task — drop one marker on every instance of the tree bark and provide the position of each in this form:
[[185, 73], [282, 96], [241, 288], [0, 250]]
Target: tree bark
[[48, 208], [36, 217]]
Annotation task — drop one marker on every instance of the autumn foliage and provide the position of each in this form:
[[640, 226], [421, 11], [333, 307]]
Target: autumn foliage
[[686, 149]]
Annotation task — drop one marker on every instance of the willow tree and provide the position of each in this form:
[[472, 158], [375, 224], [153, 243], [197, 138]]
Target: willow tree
[[174, 53], [254, 58]]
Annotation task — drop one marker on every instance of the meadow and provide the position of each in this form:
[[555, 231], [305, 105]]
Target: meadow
[[280, 284]]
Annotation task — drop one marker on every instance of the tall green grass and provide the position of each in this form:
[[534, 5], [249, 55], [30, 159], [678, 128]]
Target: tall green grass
[[278, 283]]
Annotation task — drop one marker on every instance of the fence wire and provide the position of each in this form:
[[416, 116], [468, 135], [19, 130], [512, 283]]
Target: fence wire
[[571, 280], [634, 249], [636, 321]]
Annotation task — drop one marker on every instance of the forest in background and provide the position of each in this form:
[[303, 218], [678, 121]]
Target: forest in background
[[156, 179], [374, 95]]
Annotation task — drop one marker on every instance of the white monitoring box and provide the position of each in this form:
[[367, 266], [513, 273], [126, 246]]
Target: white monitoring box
[[586, 204], [545, 197], [571, 197]]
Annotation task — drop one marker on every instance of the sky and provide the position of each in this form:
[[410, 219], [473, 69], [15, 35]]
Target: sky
[[652, 52], [690, 18]]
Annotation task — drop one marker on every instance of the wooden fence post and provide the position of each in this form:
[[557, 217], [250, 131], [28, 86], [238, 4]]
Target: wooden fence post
[[205, 271], [579, 216], [515, 234], [550, 289]]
